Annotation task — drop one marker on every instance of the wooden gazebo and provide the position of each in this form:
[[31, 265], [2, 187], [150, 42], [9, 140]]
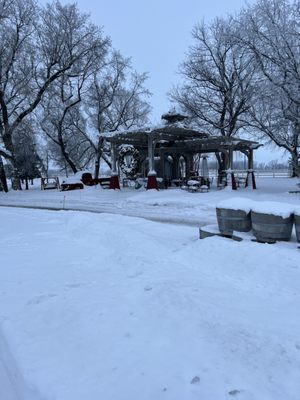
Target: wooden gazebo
[[174, 138]]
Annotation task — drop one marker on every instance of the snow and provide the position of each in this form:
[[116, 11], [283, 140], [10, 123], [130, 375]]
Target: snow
[[99, 306], [148, 129], [237, 203], [213, 228], [172, 205], [72, 179], [106, 306], [283, 210]]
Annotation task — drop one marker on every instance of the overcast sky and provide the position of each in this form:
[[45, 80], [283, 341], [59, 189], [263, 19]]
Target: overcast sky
[[156, 34]]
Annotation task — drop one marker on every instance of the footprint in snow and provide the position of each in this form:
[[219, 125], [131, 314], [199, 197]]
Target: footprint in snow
[[234, 392], [41, 298], [74, 285], [195, 380]]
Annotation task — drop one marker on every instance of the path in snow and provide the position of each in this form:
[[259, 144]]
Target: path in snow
[[148, 212], [6, 384], [192, 214], [172, 206], [12, 383]]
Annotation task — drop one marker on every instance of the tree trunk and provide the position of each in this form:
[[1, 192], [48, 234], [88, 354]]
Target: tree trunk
[[222, 163], [69, 161], [3, 181], [8, 143], [97, 165], [16, 182], [99, 153], [295, 158], [66, 156]]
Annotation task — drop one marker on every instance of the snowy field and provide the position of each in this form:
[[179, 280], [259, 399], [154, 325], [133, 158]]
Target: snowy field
[[113, 307]]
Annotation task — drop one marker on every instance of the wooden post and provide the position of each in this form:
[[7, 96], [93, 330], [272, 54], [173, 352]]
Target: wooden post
[[250, 170], [230, 162], [114, 180], [151, 182], [190, 164], [250, 159], [233, 181], [230, 159]]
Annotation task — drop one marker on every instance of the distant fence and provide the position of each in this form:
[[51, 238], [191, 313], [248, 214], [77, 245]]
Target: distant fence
[[276, 173], [273, 173]]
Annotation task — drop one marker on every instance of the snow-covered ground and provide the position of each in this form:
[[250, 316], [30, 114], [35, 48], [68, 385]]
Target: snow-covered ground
[[172, 205], [101, 306]]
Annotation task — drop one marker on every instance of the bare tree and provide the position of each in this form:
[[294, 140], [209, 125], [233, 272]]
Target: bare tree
[[217, 79], [62, 116], [270, 30], [37, 47], [65, 143], [217, 87], [117, 100]]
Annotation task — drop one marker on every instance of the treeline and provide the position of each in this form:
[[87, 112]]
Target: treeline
[[61, 85], [242, 75]]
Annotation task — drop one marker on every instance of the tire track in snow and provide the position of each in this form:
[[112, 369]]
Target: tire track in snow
[[6, 384], [152, 213], [12, 384]]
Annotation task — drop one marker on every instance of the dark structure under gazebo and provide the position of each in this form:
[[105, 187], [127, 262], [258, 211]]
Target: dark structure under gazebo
[[166, 150]]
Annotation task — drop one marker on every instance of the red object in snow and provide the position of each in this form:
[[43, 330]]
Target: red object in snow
[[87, 179], [152, 182], [252, 178], [114, 182]]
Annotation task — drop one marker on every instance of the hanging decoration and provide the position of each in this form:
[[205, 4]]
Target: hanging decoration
[[129, 160]]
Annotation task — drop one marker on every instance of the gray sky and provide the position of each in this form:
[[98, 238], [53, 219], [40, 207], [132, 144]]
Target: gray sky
[[156, 34]]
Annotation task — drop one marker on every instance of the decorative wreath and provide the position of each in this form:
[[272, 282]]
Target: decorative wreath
[[129, 160]]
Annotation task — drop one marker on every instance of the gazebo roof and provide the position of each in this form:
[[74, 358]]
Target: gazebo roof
[[168, 132], [179, 136]]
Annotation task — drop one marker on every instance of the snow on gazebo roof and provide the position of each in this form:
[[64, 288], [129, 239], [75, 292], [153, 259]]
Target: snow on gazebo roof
[[173, 129], [173, 116], [181, 135]]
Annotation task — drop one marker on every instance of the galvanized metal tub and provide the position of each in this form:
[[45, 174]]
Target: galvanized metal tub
[[269, 227], [297, 226], [230, 220]]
